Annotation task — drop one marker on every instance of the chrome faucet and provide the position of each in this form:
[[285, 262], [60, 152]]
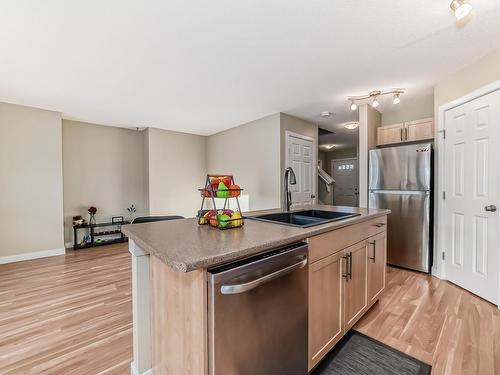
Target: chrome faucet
[[287, 195]]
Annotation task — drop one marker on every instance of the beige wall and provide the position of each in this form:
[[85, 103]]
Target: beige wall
[[299, 126], [31, 204], [103, 167], [410, 109], [484, 71], [250, 152], [177, 167]]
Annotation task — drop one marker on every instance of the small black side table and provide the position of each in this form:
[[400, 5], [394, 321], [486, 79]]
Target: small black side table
[[99, 233]]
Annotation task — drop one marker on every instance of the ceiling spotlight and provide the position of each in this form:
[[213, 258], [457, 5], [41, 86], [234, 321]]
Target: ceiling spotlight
[[354, 106], [352, 125], [326, 114], [328, 147], [460, 8], [396, 99], [375, 103]]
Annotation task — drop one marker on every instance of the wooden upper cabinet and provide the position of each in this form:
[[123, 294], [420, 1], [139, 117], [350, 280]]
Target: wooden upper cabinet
[[355, 296], [420, 129], [325, 306], [376, 266], [410, 131], [390, 134]]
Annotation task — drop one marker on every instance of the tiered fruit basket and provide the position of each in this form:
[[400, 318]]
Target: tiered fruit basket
[[220, 186]]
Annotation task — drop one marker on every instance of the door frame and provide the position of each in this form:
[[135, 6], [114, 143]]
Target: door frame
[[438, 268], [357, 174], [289, 134]]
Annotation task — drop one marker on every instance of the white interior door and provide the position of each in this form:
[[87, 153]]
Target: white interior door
[[471, 187], [301, 157], [345, 174]]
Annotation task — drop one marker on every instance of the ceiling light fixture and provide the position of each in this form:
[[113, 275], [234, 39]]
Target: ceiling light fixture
[[374, 97], [326, 114], [460, 8], [328, 147], [352, 125]]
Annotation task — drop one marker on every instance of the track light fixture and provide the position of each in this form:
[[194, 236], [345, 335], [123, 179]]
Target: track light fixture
[[374, 97], [461, 8]]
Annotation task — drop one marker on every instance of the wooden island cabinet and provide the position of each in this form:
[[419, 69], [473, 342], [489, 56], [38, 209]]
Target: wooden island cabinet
[[173, 328], [346, 277]]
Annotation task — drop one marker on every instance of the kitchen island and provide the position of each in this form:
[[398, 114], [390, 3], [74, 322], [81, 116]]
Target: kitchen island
[[345, 265]]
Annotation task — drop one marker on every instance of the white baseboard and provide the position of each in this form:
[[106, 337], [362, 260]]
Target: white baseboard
[[29, 256], [134, 371]]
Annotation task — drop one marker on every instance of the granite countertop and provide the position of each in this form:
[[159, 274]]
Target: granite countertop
[[185, 246]]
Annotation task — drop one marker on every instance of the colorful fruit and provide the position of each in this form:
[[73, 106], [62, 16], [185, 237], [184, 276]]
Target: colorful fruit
[[224, 220], [234, 191], [206, 193], [227, 212], [222, 191], [239, 221], [227, 180], [214, 182]]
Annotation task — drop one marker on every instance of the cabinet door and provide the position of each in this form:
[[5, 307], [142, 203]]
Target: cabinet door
[[376, 266], [325, 306], [390, 134], [355, 296], [419, 129]]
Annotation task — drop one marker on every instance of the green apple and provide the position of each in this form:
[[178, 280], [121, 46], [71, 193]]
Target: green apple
[[223, 220], [222, 191]]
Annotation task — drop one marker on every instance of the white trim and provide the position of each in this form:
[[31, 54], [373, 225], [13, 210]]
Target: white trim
[[439, 270], [29, 256], [288, 134], [134, 371]]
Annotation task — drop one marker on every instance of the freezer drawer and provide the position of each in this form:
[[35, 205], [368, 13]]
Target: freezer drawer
[[408, 233]]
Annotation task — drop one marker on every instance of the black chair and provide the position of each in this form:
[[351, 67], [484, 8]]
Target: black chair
[[150, 219]]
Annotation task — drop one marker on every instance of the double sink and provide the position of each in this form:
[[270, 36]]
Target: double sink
[[305, 218]]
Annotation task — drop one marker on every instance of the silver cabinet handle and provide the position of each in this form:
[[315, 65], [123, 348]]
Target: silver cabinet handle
[[379, 225], [350, 265], [374, 243], [490, 208], [346, 274], [244, 287]]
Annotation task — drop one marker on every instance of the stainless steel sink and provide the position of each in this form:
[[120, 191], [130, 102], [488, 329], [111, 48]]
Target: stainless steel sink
[[304, 219]]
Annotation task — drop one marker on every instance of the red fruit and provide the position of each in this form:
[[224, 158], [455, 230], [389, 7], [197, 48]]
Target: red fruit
[[227, 180], [227, 212], [234, 191], [206, 193], [214, 182], [211, 214]]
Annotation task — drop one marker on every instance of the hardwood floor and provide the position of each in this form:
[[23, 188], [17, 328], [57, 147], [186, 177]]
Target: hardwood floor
[[72, 315], [69, 314], [436, 322]]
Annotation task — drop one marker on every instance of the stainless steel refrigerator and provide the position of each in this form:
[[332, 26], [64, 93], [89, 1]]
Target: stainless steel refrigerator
[[400, 179]]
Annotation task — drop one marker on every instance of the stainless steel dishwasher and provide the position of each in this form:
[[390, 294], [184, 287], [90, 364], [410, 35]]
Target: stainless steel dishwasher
[[257, 314]]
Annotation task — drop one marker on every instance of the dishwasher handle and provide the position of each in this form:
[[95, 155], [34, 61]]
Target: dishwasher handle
[[245, 287]]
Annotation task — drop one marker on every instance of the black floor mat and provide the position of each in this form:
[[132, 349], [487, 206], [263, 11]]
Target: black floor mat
[[357, 354]]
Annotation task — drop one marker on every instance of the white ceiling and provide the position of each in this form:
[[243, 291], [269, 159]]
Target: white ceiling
[[205, 66]]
